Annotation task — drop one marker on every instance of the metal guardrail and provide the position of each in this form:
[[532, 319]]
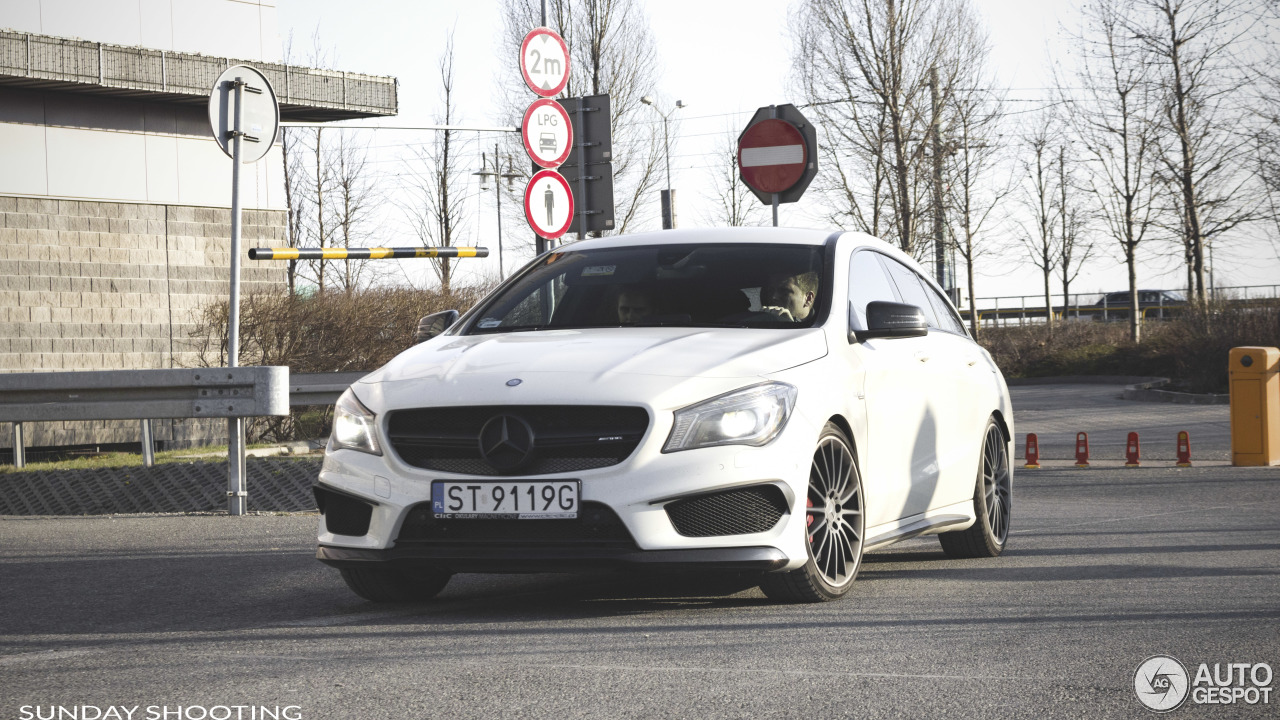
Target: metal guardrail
[[147, 395], [320, 388], [142, 395]]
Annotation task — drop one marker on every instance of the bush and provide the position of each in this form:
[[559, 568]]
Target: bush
[[330, 332], [1191, 348]]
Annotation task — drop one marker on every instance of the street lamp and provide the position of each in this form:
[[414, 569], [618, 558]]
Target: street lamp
[[510, 177], [668, 195]]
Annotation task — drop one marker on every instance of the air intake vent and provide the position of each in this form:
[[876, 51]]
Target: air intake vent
[[731, 512], [343, 514], [597, 525]]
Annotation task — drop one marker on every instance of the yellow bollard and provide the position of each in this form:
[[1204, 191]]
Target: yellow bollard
[[1255, 405]]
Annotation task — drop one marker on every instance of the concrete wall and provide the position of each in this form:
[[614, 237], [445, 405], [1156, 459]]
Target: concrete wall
[[75, 146], [105, 286], [224, 28]]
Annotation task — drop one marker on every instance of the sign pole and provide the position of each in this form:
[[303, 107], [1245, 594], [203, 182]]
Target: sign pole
[[236, 486]]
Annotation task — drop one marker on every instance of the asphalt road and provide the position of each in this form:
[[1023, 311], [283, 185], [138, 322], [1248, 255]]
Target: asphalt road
[[1105, 568]]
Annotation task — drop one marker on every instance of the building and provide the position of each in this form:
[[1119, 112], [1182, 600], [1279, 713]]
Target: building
[[115, 198]]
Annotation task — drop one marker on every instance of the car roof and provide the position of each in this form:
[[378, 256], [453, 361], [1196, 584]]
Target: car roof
[[707, 236]]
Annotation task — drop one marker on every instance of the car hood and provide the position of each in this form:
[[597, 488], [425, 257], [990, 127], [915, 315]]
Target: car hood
[[574, 365]]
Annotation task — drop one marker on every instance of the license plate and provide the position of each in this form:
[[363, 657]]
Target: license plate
[[509, 500]]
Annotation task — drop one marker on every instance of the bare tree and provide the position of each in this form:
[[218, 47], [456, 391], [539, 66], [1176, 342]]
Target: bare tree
[[733, 204], [611, 52], [1113, 115], [354, 202], [1191, 46], [863, 65], [1074, 246], [437, 208], [1038, 197], [295, 192], [974, 191]]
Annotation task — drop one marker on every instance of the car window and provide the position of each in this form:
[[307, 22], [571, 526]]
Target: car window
[[911, 289], [942, 309], [867, 283], [716, 285]]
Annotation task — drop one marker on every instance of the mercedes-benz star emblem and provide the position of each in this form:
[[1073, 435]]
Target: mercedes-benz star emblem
[[506, 442]]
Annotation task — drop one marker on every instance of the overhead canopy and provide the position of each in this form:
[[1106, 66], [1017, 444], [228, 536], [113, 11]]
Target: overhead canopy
[[305, 94]]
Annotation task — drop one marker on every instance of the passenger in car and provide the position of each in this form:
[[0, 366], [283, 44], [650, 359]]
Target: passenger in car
[[635, 303], [789, 297]]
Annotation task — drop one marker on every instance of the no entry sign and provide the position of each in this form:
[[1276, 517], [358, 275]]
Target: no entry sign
[[777, 154], [548, 204], [771, 156], [547, 133], [544, 61]]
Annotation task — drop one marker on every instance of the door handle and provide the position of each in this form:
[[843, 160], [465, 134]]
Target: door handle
[[922, 356]]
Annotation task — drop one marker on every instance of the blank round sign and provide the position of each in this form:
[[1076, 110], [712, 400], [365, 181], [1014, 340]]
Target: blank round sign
[[260, 112]]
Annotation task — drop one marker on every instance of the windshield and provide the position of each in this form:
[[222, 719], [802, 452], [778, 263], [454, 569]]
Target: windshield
[[740, 285]]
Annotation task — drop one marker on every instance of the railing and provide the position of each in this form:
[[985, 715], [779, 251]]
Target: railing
[[304, 93], [1007, 310], [146, 395]]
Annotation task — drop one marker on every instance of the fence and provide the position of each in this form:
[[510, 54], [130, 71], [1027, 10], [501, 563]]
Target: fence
[[304, 93], [1007, 310]]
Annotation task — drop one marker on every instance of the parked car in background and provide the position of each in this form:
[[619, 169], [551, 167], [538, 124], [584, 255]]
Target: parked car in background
[[1152, 303], [758, 400]]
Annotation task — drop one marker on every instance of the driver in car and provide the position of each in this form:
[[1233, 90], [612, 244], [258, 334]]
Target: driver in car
[[635, 303], [789, 297]]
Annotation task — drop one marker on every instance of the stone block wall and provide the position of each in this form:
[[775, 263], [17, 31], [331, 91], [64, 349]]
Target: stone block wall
[[109, 286]]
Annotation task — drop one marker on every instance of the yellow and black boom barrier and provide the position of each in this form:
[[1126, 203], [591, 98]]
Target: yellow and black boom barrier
[[380, 253]]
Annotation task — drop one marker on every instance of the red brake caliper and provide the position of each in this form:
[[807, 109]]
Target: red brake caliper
[[808, 517]]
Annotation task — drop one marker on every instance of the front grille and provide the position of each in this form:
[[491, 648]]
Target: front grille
[[567, 438], [731, 512], [596, 525]]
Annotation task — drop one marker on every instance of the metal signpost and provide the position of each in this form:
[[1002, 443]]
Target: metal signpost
[[589, 167], [544, 64], [245, 117], [778, 155]]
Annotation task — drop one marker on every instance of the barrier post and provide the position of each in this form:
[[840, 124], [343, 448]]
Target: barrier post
[[1082, 450], [1132, 452], [1254, 374], [1184, 449], [19, 449], [148, 443], [1033, 452]]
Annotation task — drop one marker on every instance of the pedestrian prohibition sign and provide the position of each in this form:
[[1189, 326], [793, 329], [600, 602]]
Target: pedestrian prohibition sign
[[548, 204]]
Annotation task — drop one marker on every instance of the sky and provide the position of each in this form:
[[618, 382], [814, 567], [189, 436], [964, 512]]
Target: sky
[[721, 58]]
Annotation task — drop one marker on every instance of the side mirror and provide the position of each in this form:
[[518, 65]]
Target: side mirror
[[434, 324], [892, 320]]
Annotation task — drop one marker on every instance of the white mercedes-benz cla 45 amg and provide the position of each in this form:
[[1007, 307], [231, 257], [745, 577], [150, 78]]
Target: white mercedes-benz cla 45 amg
[[765, 401]]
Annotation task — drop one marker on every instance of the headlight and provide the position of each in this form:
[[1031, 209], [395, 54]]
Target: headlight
[[750, 416], [353, 425]]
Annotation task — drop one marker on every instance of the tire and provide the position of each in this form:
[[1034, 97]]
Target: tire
[[834, 525], [388, 584], [992, 503]]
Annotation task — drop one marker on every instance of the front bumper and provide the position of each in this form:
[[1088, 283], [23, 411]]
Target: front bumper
[[517, 559]]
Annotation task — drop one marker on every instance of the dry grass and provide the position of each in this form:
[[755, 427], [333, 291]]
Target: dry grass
[[1192, 348]]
